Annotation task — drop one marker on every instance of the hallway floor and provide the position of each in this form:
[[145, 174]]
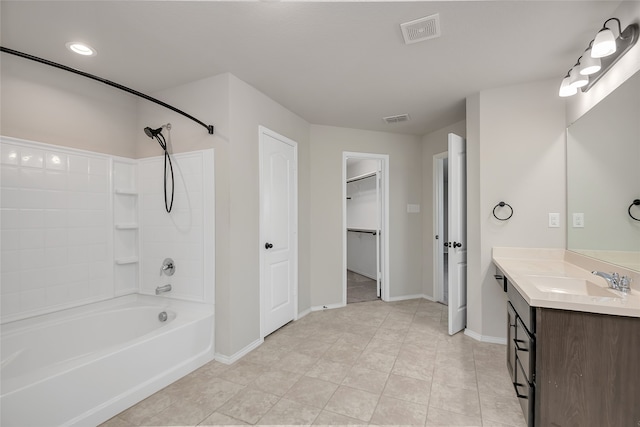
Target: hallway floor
[[360, 288], [371, 363]]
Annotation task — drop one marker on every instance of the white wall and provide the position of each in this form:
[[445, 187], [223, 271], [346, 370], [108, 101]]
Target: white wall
[[432, 144], [405, 182], [42, 103], [515, 154]]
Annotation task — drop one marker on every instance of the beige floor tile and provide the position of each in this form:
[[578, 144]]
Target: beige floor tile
[[353, 403], [387, 347], [327, 418], [343, 352], [392, 411], [276, 381], [311, 392], [218, 419], [376, 361], [116, 422], [366, 379], [212, 369], [312, 347], [249, 405], [502, 410], [207, 391], [394, 335], [455, 399], [328, 370], [455, 376], [147, 408], [409, 389], [243, 372], [441, 418], [288, 412], [408, 365], [296, 362], [182, 413], [497, 383], [267, 354]]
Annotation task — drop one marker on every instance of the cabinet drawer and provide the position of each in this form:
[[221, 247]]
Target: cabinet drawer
[[525, 350], [525, 393], [511, 340], [524, 310]]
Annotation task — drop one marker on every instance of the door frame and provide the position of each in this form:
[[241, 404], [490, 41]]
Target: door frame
[[384, 226], [265, 131], [438, 224]]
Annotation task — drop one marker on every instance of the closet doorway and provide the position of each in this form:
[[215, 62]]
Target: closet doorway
[[365, 221]]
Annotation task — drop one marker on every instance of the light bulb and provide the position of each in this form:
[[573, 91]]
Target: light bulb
[[566, 88], [604, 44], [81, 48], [588, 64]]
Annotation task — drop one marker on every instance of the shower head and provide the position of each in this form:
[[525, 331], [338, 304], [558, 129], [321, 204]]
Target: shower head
[[151, 133]]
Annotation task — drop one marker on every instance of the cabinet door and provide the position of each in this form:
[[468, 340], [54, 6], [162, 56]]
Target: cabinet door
[[511, 339]]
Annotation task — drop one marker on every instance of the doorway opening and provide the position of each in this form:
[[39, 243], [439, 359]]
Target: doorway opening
[[440, 219], [365, 224]]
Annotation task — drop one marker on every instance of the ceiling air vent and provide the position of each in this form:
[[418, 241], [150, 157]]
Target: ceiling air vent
[[421, 29], [396, 119]]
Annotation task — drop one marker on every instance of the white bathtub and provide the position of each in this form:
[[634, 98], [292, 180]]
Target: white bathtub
[[84, 365]]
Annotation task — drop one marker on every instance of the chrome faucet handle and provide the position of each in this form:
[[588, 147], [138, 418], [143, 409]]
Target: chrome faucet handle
[[168, 267], [624, 285]]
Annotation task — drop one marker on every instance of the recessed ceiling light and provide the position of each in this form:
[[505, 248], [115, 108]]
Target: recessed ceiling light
[[81, 49]]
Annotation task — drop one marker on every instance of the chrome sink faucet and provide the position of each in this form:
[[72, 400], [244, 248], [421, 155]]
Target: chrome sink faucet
[[622, 284]]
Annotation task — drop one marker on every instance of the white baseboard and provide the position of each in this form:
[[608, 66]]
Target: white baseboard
[[228, 360], [303, 313], [427, 297], [327, 307], [406, 297], [485, 338]]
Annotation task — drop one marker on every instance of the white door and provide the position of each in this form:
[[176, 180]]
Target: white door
[[457, 235], [378, 232], [278, 230]]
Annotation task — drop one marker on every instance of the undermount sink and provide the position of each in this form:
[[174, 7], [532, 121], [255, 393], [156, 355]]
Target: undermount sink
[[571, 286]]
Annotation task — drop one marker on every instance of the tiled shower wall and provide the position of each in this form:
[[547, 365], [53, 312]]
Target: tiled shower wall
[[55, 218], [58, 228]]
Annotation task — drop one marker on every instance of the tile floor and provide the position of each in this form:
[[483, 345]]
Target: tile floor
[[371, 363], [360, 288]]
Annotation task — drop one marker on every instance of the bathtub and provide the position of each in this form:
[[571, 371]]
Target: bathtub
[[80, 367]]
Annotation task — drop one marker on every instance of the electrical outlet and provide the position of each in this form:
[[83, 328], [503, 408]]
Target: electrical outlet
[[554, 220], [578, 220]]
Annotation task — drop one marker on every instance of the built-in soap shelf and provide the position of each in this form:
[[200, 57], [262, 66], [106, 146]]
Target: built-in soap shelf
[[126, 226], [126, 191], [125, 261]]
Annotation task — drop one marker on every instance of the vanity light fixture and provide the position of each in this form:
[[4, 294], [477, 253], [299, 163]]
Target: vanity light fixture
[[601, 54], [81, 49]]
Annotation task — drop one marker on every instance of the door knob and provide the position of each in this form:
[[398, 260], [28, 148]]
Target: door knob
[[457, 245], [268, 245], [447, 244]]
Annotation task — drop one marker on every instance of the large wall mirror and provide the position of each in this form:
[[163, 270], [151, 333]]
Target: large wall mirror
[[603, 179]]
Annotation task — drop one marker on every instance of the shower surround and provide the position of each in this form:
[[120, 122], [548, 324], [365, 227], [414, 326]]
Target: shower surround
[[82, 227]]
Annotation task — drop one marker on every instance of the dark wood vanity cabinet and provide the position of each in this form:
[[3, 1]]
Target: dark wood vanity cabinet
[[587, 369], [572, 368]]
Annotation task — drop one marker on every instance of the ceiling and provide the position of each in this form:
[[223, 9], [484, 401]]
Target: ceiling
[[333, 63]]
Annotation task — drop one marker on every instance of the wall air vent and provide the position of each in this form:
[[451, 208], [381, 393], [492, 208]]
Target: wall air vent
[[396, 119], [421, 29]]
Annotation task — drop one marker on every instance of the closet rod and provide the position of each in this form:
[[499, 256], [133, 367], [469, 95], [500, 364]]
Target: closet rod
[[105, 81], [365, 176], [359, 230]]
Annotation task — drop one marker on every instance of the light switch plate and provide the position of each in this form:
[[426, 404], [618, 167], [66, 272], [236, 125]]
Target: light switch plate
[[413, 208], [578, 220], [554, 220]]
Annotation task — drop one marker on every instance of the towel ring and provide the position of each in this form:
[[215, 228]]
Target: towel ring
[[636, 202], [503, 204]]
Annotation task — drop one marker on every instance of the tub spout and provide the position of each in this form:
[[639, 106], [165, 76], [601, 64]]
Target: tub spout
[[163, 289]]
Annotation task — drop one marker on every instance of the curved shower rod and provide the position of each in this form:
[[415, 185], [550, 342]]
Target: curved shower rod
[[105, 81]]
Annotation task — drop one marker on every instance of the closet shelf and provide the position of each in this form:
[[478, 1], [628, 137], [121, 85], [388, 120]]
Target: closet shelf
[[126, 226], [126, 191], [124, 261]]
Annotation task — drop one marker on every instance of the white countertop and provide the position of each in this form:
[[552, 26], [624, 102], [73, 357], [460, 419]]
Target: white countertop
[[530, 270]]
